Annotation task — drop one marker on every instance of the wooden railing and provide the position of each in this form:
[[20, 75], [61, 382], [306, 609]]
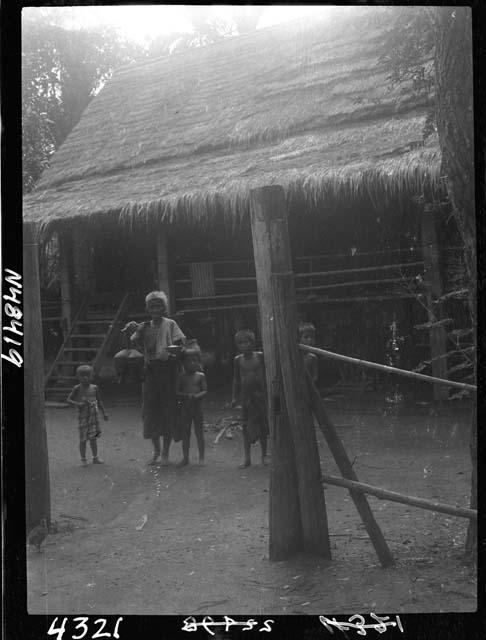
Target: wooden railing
[[106, 344], [79, 314], [393, 271]]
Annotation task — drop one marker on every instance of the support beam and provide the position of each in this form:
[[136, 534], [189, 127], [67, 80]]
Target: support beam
[[387, 369], [311, 496], [271, 252], [37, 488], [65, 271], [393, 496], [82, 260], [345, 467], [163, 279], [438, 337]]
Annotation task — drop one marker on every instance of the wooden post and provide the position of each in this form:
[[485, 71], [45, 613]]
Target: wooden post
[[345, 467], [163, 280], [65, 257], [311, 495], [271, 251], [37, 490], [438, 338], [83, 275]]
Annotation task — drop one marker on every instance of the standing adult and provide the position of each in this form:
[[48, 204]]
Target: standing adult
[[159, 407]]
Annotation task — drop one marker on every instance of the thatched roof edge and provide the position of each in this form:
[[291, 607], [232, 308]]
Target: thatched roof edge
[[405, 178]]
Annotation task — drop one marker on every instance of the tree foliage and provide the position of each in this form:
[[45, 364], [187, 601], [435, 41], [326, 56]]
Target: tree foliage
[[208, 26], [62, 69], [443, 35], [407, 50], [407, 55]]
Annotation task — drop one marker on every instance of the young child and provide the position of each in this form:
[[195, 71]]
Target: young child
[[86, 397], [159, 403], [249, 390], [307, 336], [191, 388]]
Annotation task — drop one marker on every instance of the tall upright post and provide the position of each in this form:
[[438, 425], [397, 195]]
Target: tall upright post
[[311, 493], [163, 280], [83, 274], [65, 256], [438, 339], [37, 489], [271, 252]]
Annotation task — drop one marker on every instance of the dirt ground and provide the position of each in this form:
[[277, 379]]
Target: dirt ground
[[204, 545]]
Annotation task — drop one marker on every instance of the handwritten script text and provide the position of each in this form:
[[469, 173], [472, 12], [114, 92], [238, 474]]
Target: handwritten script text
[[207, 623], [358, 622], [14, 313]]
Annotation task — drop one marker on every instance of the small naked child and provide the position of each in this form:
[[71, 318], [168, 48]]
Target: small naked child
[[249, 390], [191, 389]]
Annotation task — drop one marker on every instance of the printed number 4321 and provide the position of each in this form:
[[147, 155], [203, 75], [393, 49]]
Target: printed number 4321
[[83, 629]]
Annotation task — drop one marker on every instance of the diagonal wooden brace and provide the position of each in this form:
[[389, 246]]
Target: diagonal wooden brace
[[341, 457]]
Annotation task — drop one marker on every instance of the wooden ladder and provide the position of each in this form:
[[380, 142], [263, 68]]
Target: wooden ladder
[[88, 341]]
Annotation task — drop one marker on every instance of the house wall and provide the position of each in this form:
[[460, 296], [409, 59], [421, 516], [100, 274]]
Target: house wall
[[211, 279], [354, 319]]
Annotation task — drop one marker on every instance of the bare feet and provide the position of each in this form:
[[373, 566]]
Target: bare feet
[[154, 459]]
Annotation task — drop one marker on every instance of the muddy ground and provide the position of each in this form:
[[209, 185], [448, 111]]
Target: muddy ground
[[204, 545]]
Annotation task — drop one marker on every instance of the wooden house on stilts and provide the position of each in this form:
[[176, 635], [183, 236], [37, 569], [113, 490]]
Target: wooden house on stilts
[[151, 190]]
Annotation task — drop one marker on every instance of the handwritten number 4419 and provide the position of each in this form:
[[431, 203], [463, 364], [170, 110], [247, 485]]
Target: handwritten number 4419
[[83, 628]]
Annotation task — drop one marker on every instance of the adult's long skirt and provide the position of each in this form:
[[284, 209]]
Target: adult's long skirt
[[159, 406]]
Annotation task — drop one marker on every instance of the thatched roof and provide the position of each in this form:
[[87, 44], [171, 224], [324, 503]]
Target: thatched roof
[[304, 105]]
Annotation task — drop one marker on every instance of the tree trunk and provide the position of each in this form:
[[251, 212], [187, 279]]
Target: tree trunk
[[454, 100], [37, 489]]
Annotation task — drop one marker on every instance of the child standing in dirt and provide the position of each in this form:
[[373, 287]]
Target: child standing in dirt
[[249, 390], [191, 389], [86, 397], [307, 336], [154, 339]]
